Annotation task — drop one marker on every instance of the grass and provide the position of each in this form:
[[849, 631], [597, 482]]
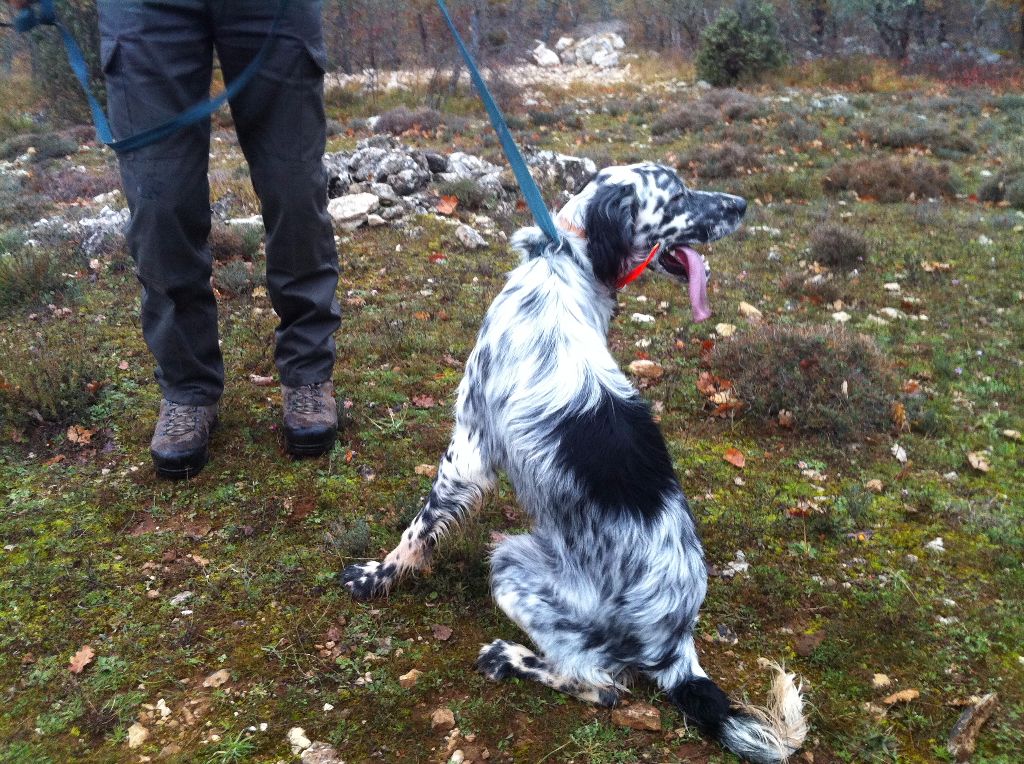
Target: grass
[[94, 549]]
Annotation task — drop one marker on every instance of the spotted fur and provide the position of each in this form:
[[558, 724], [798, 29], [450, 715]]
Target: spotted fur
[[611, 578]]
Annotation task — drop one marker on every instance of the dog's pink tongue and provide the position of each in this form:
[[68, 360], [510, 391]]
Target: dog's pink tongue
[[698, 285]]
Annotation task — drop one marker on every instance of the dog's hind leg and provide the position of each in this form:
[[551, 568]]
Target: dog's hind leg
[[527, 589], [464, 477]]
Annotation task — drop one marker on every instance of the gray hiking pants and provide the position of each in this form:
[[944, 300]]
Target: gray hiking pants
[[158, 59]]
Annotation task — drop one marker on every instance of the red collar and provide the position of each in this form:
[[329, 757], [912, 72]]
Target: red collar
[[634, 274], [630, 277]]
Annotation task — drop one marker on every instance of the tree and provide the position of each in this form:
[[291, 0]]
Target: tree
[[743, 43]]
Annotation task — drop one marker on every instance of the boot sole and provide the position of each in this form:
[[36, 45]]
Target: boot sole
[[181, 467], [315, 445]]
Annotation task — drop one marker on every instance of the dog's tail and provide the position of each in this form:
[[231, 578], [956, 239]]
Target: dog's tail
[[760, 735]]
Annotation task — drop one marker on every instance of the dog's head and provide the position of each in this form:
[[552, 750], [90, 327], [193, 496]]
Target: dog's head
[[626, 211]]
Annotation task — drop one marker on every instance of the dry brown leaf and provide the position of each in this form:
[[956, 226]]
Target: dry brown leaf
[[446, 204], [903, 696], [899, 417], [423, 401], [735, 457], [441, 632], [427, 470], [79, 435], [786, 420], [81, 659]]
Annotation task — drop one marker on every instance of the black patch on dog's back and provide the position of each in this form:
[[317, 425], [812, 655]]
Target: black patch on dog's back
[[617, 454]]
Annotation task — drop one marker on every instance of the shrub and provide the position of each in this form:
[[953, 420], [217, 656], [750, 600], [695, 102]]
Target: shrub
[[54, 79], [837, 245], [564, 116], [470, 194], [27, 274], [686, 119], [740, 45], [889, 180], [723, 160], [45, 145], [819, 288], [69, 184], [734, 105], [778, 186], [835, 382], [1007, 186], [235, 242], [234, 278], [798, 130], [402, 120], [901, 131], [50, 373]]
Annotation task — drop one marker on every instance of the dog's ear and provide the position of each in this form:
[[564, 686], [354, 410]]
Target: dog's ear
[[609, 221]]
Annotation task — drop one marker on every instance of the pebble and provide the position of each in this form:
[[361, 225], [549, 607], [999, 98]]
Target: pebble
[[749, 312], [181, 599], [878, 681], [298, 741], [642, 318], [638, 716], [217, 678], [410, 678], [841, 316], [442, 720], [725, 330], [137, 735], [936, 545], [470, 237], [646, 369]]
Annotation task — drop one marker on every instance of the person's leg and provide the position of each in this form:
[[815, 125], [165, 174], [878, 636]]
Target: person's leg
[[281, 126], [157, 59]]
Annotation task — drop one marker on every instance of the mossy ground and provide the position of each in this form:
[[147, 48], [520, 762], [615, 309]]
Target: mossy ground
[[95, 547]]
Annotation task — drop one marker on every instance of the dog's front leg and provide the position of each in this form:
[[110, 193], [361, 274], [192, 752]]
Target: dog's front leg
[[464, 477]]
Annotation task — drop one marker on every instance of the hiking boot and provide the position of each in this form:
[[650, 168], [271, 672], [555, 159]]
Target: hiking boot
[[181, 440], [310, 418]]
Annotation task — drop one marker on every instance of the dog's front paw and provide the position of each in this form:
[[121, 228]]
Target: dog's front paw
[[494, 661], [365, 580]]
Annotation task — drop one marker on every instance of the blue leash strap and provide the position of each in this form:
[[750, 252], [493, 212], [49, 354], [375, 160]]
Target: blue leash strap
[[527, 185], [29, 17]]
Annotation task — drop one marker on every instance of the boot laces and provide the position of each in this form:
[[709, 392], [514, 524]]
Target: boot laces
[[180, 420], [307, 399]]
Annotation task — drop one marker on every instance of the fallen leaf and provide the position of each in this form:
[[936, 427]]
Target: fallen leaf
[[874, 485], [878, 681], [427, 470], [123, 366], [441, 632], [725, 330], [637, 716], [446, 204], [903, 696], [1012, 434], [80, 435], [899, 417], [410, 678], [979, 461], [706, 384], [735, 457], [787, 420], [963, 739], [81, 659], [423, 401]]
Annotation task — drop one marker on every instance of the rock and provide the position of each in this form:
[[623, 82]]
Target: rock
[[641, 318], [646, 369], [561, 170], [564, 43], [298, 741], [874, 485], [458, 756], [739, 565], [180, 599], [546, 57], [903, 696], [936, 545], [320, 753], [436, 162], [104, 232], [442, 720], [841, 316], [470, 237], [725, 635], [878, 681], [468, 167], [835, 101], [168, 751], [725, 330], [375, 221], [410, 678], [137, 735], [892, 286], [385, 193], [352, 209], [217, 678], [605, 59], [749, 312], [637, 716]]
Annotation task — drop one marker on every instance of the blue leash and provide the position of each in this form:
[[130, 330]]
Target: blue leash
[[29, 17], [527, 185]]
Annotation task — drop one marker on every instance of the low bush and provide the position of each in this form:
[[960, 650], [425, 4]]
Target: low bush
[[44, 146], [402, 120], [28, 275], [52, 374], [779, 186], [819, 288], [890, 180], [235, 242], [1006, 186], [838, 246], [563, 116], [734, 105], [907, 131], [687, 119], [835, 383], [723, 160], [469, 193], [69, 184]]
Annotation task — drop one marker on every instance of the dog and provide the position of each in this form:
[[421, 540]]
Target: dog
[[609, 581]]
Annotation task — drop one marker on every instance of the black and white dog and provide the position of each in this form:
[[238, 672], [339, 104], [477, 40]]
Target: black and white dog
[[610, 580]]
